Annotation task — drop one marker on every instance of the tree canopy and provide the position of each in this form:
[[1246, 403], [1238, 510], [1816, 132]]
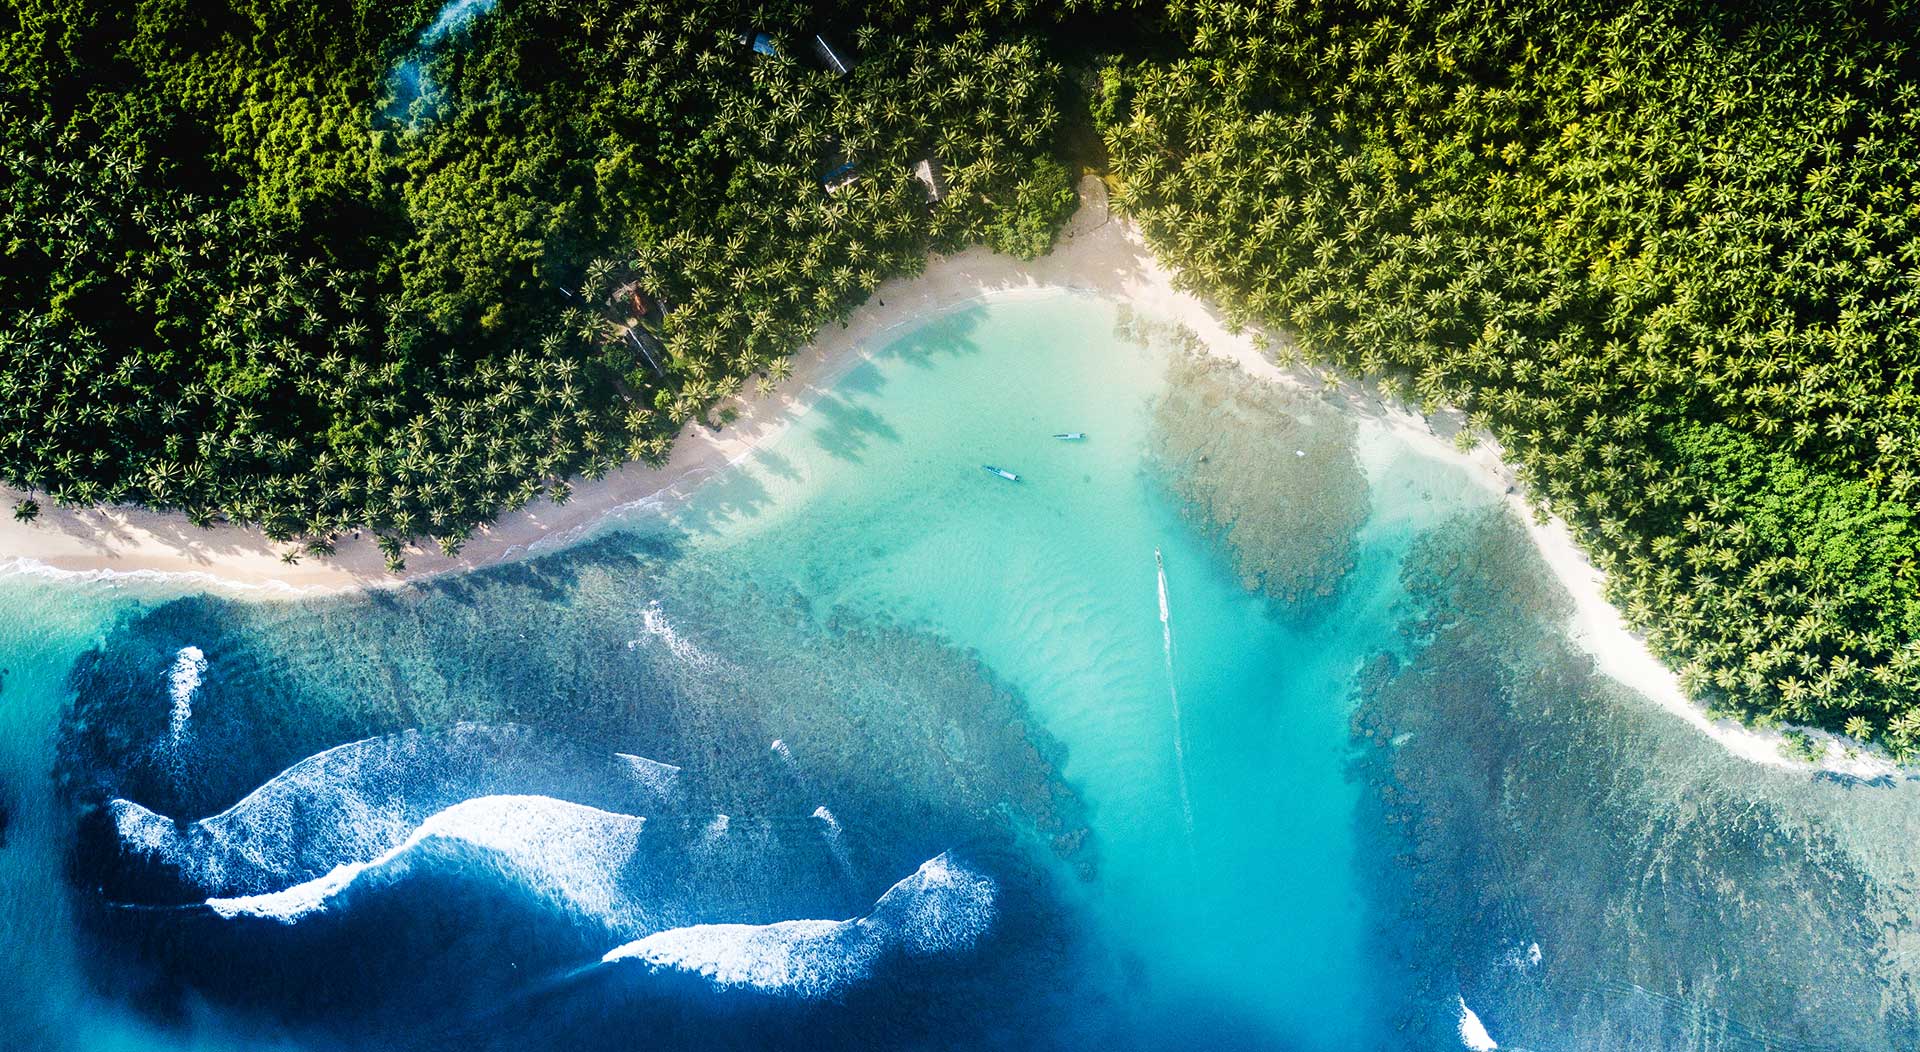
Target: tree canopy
[[1667, 253], [349, 264], [400, 266]]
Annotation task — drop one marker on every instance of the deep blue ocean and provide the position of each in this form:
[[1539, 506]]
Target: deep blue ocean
[[1231, 724]]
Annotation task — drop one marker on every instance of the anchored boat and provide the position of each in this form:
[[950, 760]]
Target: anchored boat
[[1071, 436], [1002, 472]]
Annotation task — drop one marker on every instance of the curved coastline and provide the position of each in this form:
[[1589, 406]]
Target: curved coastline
[[1098, 253]]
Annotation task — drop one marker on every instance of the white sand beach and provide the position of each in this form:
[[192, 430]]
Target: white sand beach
[[1097, 253]]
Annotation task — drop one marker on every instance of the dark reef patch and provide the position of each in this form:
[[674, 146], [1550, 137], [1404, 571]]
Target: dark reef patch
[[619, 646], [1583, 870]]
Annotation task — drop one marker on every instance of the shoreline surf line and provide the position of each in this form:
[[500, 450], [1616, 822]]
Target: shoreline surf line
[[1096, 253]]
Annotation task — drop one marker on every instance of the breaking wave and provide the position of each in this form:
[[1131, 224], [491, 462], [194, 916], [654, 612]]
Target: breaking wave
[[659, 779], [183, 681], [942, 908], [574, 856], [1473, 1033], [354, 802]]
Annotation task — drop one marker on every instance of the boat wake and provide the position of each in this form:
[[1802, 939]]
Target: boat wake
[[660, 779], [1173, 696]]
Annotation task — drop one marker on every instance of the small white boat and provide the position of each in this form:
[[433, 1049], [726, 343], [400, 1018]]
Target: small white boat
[[1071, 436], [1002, 472]]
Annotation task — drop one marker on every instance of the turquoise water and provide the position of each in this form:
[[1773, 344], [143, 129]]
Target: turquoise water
[[51, 1001], [1235, 723], [876, 502]]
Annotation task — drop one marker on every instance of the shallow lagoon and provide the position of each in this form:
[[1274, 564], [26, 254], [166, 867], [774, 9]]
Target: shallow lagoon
[[1354, 781]]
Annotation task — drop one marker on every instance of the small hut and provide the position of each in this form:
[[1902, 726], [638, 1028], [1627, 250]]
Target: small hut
[[831, 57], [929, 175], [762, 43], [631, 297], [635, 311]]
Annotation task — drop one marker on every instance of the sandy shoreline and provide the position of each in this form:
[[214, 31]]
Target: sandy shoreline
[[1097, 253]]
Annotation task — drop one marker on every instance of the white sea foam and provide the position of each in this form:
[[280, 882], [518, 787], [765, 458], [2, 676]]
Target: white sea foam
[[718, 827], [351, 803], [183, 681], [804, 958], [653, 621], [142, 831], [836, 845], [154, 582], [941, 908], [573, 855], [345, 804], [1473, 1034], [290, 904], [659, 779], [1523, 958]]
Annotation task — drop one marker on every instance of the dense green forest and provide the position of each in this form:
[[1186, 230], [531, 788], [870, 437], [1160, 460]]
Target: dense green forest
[[351, 265], [348, 263], [1667, 253]]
